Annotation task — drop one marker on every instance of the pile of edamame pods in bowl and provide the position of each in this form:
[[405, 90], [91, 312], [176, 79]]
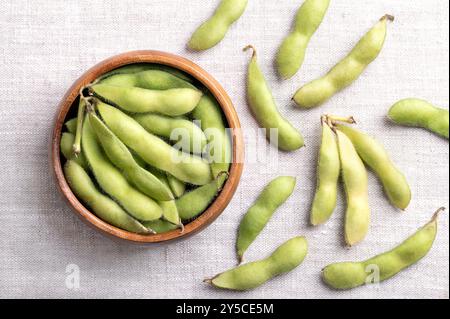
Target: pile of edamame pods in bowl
[[119, 154]]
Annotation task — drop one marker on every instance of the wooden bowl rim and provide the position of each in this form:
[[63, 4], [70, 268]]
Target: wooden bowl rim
[[157, 57]]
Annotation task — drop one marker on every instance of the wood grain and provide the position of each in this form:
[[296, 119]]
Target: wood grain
[[147, 56]]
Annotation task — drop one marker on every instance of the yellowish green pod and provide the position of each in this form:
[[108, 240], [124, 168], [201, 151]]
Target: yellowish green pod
[[375, 156], [328, 171], [211, 32], [285, 258], [346, 71], [355, 179], [292, 51], [66, 146], [420, 113], [263, 107], [349, 275]]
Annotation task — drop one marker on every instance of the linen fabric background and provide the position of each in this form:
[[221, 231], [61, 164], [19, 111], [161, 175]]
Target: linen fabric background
[[47, 45]]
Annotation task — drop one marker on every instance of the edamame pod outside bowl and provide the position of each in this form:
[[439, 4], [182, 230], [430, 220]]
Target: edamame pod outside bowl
[[67, 109]]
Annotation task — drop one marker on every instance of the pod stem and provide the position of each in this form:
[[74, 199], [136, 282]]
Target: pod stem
[[80, 116], [208, 281], [335, 119], [437, 213], [248, 47], [388, 17]]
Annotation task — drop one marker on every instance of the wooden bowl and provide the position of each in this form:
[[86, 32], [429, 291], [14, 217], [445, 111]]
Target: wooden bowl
[[224, 197]]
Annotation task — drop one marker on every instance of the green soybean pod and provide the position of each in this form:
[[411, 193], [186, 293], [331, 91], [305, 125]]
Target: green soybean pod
[[346, 71], [149, 79], [104, 207], [112, 182], [187, 136], [154, 151], [350, 275], [122, 158], [160, 226], [257, 217], [195, 202], [172, 102], [375, 156], [178, 187], [420, 113], [71, 125], [209, 114], [292, 51], [66, 146], [140, 67], [211, 32], [284, 259], [328, 170], [263, 107], [355, 179]]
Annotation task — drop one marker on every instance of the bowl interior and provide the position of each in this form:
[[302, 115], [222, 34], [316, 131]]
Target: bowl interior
[[68, 109]]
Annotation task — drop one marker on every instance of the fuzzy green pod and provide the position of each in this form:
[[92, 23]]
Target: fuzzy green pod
[[154, 151], [160, 226], [71, 125], [172, 102], [263, 107], [211, 32], [349, 275], [257, 217], [104, 207], [122, 158], [187, 136], [328, 171], [112, 182], [355, 179], [347, 70], [375, 156], [284, 259], [420, 113], [177, 187], [292, 51], [66, 146]]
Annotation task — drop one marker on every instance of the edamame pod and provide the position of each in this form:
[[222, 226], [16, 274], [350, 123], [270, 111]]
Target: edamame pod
[[104, 207], [346, 71], [355, 179], [160, 226], [195, 202], [178, 187], [382, 267], [121, 157], [257, 217], [420, 113], [71, 125], [376, 157], [113, 182], [153, 150], [209, 114], [150, 79], [211, 32], [284, 259], [80, 117], [66, 146], [263, 107], [187, 136], [292, 51], [328, 170], [172, 102]]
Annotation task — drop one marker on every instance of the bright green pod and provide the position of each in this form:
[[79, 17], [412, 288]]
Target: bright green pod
[[350, 275], [122, 158], [66, 146], [328, 170], [178, 187], [153, 150], [347, 70], [262, 104], [172, 102], [187, 136], [375, 156], [292, 51], [104, 207], [354, 175], [112, 182], [160, 226], [284, 259], [257, 217], [211, 32], [420, 113], [71, 125]]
